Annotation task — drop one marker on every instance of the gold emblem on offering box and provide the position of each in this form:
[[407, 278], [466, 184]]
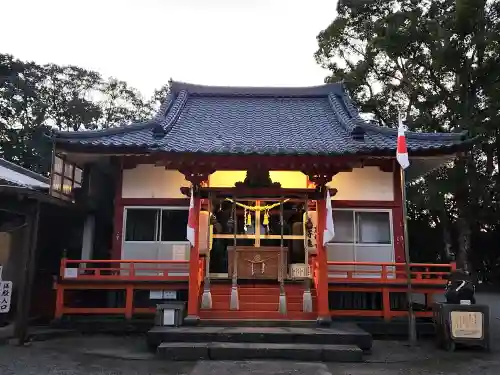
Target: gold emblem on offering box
[[257, 263], [466, 324]]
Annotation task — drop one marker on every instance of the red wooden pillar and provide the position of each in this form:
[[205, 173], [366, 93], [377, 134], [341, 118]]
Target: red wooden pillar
[[194, 282], [320, 177], [197, 176], [324, 316]]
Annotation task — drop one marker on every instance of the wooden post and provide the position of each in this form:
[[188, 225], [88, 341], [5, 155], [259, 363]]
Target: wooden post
[[29, 261], [129, 302], [59, 302], [194, 285], [324, 317], [196, 176], [118, 230], [386, 297]]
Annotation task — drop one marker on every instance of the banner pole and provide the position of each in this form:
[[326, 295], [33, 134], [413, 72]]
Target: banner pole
[[412, 328]]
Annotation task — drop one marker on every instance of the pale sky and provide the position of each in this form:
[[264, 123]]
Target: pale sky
[[146, 42]]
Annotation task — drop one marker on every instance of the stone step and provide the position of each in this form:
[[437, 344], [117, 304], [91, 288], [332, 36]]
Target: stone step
[[193, 351], [338, 334]]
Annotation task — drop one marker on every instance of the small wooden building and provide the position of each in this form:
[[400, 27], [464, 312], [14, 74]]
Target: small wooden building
[[34, 228], [259, 163]]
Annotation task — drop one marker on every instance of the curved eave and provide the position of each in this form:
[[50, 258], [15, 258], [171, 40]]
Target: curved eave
[[58, 136], [111, 149], [443, 137]]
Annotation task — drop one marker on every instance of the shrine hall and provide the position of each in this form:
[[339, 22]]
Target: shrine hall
[[263, 169]]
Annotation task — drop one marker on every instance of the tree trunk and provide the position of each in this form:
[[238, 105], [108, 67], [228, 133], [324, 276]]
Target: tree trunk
[[462, 198], [463, 243], [445, 229]]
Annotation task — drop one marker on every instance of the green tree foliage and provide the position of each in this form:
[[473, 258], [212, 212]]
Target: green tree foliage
[[34, 99], [439, 62]]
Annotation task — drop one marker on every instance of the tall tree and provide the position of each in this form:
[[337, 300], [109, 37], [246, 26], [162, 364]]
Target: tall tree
[[35, 99], [438, 61]]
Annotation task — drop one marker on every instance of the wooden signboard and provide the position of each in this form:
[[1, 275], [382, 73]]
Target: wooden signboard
[[467, 324]]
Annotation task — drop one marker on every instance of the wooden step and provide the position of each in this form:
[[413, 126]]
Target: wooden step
[[254, 323], [257, 291], [257, 306], [273, 315], [192, 351], [216, 298]]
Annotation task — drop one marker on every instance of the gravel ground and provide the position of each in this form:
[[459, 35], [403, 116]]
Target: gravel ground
[[113, 355], [106, 355]]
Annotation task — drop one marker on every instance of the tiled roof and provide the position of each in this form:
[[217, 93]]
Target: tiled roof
[[227, 120]]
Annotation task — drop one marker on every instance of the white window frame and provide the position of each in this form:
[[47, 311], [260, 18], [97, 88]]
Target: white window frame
[[158, 222], [355, 242]]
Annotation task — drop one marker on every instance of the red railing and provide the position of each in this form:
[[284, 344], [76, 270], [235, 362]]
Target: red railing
[[125, 275], [132, 275], [388, 273], [124, 270], [386, 278]]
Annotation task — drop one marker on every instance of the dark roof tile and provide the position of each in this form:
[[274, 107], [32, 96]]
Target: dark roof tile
[[222, 120]]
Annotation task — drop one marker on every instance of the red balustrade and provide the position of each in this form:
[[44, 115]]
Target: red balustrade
[[386, 278]]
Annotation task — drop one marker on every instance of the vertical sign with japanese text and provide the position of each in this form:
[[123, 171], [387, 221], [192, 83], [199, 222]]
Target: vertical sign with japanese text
[[5, 296]]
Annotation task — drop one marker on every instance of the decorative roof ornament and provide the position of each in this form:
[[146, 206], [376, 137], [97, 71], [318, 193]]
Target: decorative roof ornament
[[257, 178], [158, 131], [358, 133]]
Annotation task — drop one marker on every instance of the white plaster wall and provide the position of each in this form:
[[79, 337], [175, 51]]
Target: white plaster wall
[[148, 181], [364, 184]]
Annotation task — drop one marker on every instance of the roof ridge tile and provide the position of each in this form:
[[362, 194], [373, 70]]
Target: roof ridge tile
[[175, 110], [256, 91]]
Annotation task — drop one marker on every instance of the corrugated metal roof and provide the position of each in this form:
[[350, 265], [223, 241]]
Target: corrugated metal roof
[[16, 175]]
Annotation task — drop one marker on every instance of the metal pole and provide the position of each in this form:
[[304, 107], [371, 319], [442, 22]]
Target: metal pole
[[412, 328]]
